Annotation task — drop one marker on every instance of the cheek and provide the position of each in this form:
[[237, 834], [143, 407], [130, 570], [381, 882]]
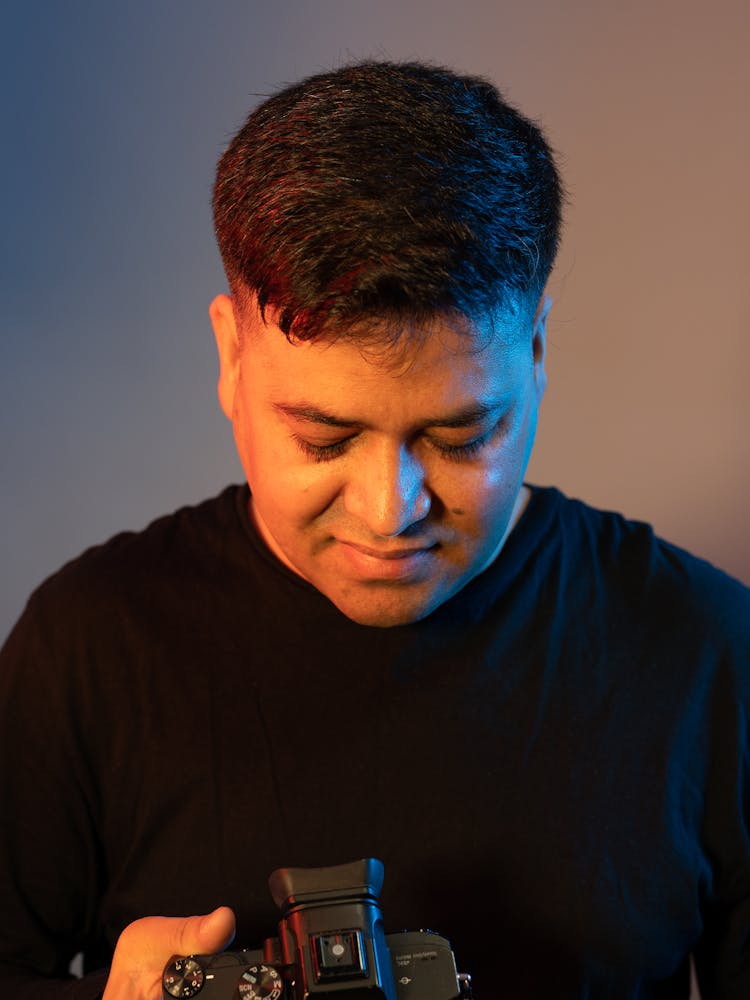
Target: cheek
[[473, 498], [486, 495], [289, 492]]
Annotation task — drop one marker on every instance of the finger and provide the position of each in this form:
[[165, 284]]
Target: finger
[[206, 934]]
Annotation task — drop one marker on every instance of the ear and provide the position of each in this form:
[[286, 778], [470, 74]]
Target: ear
[[224, 323], [539, 344]]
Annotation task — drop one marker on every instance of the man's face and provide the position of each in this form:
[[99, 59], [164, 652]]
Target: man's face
[[388, 479]]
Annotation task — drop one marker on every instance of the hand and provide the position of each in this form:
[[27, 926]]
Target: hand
[[146, 945]]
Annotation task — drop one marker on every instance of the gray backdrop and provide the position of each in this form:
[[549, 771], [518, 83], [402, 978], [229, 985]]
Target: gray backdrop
[[113, 117]]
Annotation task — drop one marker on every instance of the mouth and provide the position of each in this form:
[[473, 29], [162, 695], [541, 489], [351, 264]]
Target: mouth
[[403, 553], [387, 564]]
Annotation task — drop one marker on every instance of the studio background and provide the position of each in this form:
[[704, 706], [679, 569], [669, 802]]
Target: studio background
[[113, 118]]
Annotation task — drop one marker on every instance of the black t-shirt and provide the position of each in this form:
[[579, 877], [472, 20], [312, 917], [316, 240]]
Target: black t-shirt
[[551, 765]]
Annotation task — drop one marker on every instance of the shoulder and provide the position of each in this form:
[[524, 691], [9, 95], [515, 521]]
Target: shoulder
[[183, 546], [139, 607], [615, 558]]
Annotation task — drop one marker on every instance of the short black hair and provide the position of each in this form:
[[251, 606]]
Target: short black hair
[[386, 191]]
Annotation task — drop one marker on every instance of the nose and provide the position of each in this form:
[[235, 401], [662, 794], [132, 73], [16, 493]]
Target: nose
[[387, 491]]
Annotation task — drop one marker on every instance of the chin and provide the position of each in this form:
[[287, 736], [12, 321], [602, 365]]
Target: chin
[[385, 619], [385, 613]]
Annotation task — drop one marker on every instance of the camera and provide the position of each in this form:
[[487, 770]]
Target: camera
[[331, 944]]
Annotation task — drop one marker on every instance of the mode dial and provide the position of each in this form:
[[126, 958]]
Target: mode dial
[[261, 982]]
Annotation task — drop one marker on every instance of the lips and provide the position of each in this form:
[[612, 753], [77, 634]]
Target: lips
[[372, 564], [388, 553]]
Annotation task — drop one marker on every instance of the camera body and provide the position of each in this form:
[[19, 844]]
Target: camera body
[[331, 944]]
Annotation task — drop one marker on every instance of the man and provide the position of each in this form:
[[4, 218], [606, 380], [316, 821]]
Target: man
[[386, 644]]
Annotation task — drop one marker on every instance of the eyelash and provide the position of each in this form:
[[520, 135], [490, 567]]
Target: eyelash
[[321, 452], [451, 452], [460, 452]]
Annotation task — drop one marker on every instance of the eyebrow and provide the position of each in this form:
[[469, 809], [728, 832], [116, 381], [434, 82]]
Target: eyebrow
[[467, 416]]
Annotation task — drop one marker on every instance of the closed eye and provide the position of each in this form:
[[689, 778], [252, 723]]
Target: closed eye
[[322, 452], [460, 452], [452, 452]]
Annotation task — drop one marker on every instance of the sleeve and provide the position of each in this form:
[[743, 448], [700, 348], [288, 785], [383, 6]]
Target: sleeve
[[50, 861], [722, 957]]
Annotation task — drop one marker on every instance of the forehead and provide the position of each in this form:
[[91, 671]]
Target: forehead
[[448, 353]]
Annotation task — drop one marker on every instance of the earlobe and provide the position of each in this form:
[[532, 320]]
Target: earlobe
[[224, 323]]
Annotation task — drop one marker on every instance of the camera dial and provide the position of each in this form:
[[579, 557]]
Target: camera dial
[[261, 982], [183, 978]]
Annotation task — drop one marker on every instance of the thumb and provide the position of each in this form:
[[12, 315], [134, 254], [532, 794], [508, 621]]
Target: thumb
[[203, 935]]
